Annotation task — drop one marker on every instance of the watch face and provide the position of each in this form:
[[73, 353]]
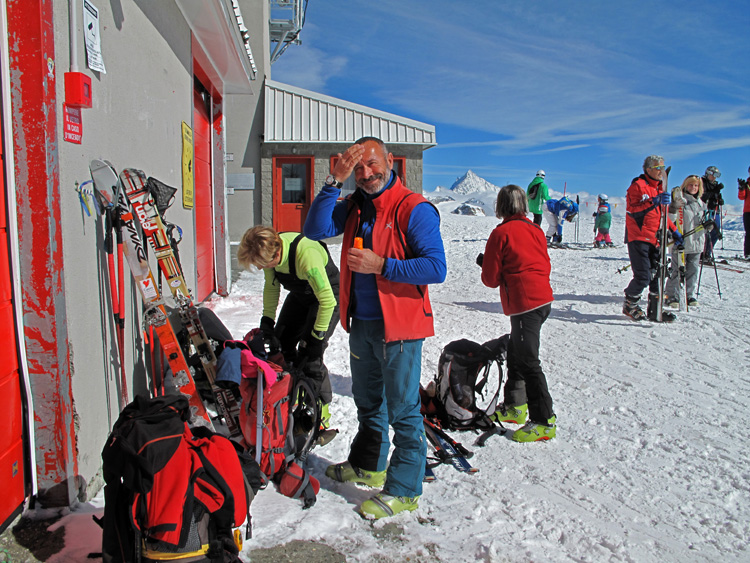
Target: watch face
[[330, 180]]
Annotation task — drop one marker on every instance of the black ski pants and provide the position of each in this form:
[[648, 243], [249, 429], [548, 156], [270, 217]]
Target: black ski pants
[[644, 261], [746, 223], [295, 323], [526, 381]]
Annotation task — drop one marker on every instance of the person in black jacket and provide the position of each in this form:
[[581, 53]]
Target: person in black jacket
[[713, 200]]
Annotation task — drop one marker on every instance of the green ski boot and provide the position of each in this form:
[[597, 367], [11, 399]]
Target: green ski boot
[[382, 505], [516, 415], [536, 431], [346, 473]]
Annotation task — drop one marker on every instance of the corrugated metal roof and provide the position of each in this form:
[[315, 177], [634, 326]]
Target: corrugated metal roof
[[295, 115]]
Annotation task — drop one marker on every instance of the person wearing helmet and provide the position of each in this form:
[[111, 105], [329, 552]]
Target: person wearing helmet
[[602, 222], [556, 211], [713, 200], [536, 194]]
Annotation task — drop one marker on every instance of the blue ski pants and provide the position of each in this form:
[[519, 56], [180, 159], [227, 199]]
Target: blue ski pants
[[385, 387]]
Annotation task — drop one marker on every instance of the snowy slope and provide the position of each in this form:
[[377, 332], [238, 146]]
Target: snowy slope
[[650, 459]]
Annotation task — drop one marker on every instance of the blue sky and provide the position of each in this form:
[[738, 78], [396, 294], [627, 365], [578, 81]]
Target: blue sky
[[583, 89]]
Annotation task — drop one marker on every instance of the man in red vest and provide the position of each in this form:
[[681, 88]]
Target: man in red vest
[[385, 308]]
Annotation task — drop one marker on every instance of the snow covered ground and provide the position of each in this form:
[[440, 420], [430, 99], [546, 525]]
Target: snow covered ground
[[650, 459]]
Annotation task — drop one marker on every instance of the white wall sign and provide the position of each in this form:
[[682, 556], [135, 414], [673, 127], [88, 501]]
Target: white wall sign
[[92, 38]]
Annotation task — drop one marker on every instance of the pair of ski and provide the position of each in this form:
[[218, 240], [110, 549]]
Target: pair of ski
[[447, 450], [133, 203]]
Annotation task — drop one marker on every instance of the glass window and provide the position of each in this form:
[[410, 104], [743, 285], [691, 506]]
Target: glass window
[[293, 182]]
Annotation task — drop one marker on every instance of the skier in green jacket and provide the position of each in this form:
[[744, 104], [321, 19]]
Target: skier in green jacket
[[537, 193]]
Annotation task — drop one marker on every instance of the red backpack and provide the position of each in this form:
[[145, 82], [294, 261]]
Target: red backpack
[[172, 491], [282, 437]]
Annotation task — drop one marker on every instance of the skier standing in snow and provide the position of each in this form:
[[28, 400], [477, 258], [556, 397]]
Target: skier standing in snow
[[687, 211], [602, 222], [385, 308], [713, 200], [556, 211], [744, 195], [516, 261], [536, 194], [310, 311], [645, 196]]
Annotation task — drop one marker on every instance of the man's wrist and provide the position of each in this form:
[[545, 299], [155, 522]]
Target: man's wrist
[[385, 264]]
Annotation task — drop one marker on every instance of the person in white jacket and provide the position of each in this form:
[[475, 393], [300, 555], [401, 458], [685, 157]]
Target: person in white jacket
[[687, 211]]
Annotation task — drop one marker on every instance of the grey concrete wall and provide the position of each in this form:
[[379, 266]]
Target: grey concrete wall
[[244, 130], [135, 121]]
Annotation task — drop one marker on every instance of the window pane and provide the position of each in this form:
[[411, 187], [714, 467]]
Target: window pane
[[293, 183]]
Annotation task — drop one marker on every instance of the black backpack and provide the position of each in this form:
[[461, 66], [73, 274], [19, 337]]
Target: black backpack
[[463, 373], [173, 492]]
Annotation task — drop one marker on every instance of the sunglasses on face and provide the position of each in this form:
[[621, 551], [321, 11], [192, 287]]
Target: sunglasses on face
[[662, 167]]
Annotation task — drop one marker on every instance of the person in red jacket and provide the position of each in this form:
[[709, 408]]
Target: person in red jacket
[[644, 200], [515, 260], [743, 195]]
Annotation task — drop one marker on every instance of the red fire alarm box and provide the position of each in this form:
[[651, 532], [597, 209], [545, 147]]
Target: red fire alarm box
[[77, 90]]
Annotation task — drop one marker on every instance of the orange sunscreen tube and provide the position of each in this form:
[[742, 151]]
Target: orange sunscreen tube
[[359, 243]]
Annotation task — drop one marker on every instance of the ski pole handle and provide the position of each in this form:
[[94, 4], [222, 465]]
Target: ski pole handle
[[359, 243]]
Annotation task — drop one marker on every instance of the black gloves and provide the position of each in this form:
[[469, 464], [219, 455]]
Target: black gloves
[[269, 336], [720, 200], [480, 259], [313, 347]]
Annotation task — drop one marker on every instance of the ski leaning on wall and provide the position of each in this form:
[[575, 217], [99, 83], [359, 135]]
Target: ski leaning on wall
[[107, 185], [135, 186]]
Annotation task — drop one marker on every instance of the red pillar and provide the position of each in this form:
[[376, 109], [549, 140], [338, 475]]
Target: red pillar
[[33, 74]]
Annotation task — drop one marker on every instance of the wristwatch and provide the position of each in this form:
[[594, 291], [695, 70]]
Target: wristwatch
[[331, 181]]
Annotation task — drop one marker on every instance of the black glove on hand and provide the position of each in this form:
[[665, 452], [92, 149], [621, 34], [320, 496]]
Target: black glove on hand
[[720, 200], [480, 259], [313, 347], [269, 336]]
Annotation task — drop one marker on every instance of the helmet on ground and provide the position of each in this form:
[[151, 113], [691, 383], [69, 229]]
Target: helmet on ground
[[540, 173], [603, 197], [713, 171]]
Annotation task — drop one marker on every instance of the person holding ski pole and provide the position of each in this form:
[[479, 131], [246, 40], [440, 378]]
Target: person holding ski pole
[[687, 210], [713, 200], [602, 222], [556, 211], [536, 194], [516, 261], [309, 314], [386, 310], [745, 196], [644, 200]]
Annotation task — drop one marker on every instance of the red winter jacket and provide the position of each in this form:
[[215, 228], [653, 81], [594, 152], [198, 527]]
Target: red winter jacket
[[743, 195], [643, 217], [516, 262], [407, 313]]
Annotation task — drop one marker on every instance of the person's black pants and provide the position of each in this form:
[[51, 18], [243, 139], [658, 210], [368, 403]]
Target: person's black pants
[[644, 261], [526, 381], [538, 218], [746, 223]]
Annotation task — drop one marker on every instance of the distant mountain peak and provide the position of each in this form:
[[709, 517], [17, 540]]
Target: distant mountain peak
[[470, 183]]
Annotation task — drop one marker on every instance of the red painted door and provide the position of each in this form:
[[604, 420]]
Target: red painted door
[[12, 463], [292, 191], [204, 213]]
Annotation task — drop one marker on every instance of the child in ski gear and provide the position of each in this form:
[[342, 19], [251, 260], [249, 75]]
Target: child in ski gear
[[385, 308], [687, 211], [602, 222], [309, 314], [743, 195], [556, 211], [536, 194], [517, 263], [644, 198], [713, 200]]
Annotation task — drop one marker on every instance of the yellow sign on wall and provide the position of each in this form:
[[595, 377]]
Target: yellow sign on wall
[[188, 179]]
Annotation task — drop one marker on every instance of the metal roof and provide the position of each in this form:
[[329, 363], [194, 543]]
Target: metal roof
[[295, 115]]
